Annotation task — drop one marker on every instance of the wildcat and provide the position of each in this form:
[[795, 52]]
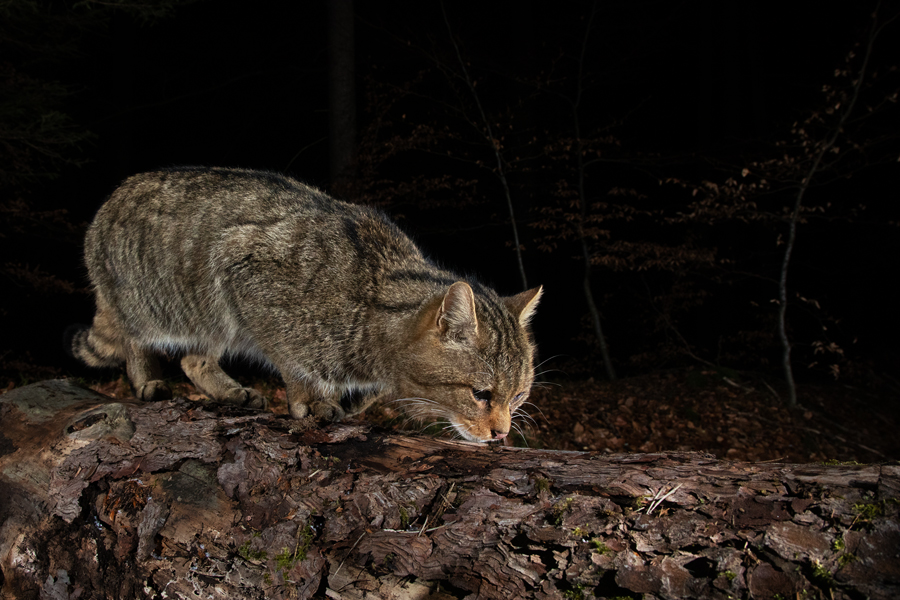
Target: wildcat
[[208, 262]]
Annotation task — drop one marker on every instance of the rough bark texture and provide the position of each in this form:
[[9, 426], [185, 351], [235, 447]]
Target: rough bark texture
[[109, 499]]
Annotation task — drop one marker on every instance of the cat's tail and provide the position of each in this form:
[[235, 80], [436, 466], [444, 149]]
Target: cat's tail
[[83, 343]]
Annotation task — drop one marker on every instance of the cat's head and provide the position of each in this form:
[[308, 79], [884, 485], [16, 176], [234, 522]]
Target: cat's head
[[469, 361]]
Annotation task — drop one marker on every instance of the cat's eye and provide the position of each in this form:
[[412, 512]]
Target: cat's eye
[[482, 395]]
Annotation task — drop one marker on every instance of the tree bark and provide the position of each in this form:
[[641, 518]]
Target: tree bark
[[103, 498]]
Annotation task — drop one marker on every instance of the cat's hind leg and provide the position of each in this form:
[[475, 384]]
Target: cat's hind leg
[[206, 374], [104, 344], [145, 374]]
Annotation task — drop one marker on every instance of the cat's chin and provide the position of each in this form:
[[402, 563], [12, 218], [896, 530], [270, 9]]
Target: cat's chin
[[467, 434]]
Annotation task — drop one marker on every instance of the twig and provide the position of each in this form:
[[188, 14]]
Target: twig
[[349, 553], [495, 146], [657, 500]]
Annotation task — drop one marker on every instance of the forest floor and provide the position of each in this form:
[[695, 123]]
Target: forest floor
[[704, 411], [700, 410], [681, 410]]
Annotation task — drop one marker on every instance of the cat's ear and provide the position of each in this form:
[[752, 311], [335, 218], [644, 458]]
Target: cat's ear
[[456, 317], [523, 305]]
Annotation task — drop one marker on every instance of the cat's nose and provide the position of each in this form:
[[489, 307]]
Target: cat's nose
[[498, 435]]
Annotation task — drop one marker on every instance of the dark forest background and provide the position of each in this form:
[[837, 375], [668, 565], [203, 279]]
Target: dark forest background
[[651, 159]]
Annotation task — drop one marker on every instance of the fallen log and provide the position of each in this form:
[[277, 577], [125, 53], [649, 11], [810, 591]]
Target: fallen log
[[105, 498]]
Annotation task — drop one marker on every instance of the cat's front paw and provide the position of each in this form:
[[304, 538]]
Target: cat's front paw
[[154, 390], [247, 397], [326, 411]]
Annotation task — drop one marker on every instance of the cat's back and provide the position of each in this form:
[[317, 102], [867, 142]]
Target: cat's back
[[211, 195], [176, 255], [173, 219], [186, 228]]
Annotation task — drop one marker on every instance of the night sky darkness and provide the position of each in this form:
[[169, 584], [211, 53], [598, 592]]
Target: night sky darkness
[[238, 83]]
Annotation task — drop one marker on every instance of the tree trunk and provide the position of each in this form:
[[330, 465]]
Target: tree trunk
[[824, 147], [592, 308], [583, 204], [341, 91], [102, 498], [496, 147]]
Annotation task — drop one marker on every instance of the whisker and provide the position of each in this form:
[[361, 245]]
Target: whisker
[[521, 434], [545, 361], [425, 413], [420, 409], [545, 371], [538, 409], [530, 424], [465, 430], [544, 383], [453, 426], [521, 414], [407, 423], [415, 421], [426, 427]]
